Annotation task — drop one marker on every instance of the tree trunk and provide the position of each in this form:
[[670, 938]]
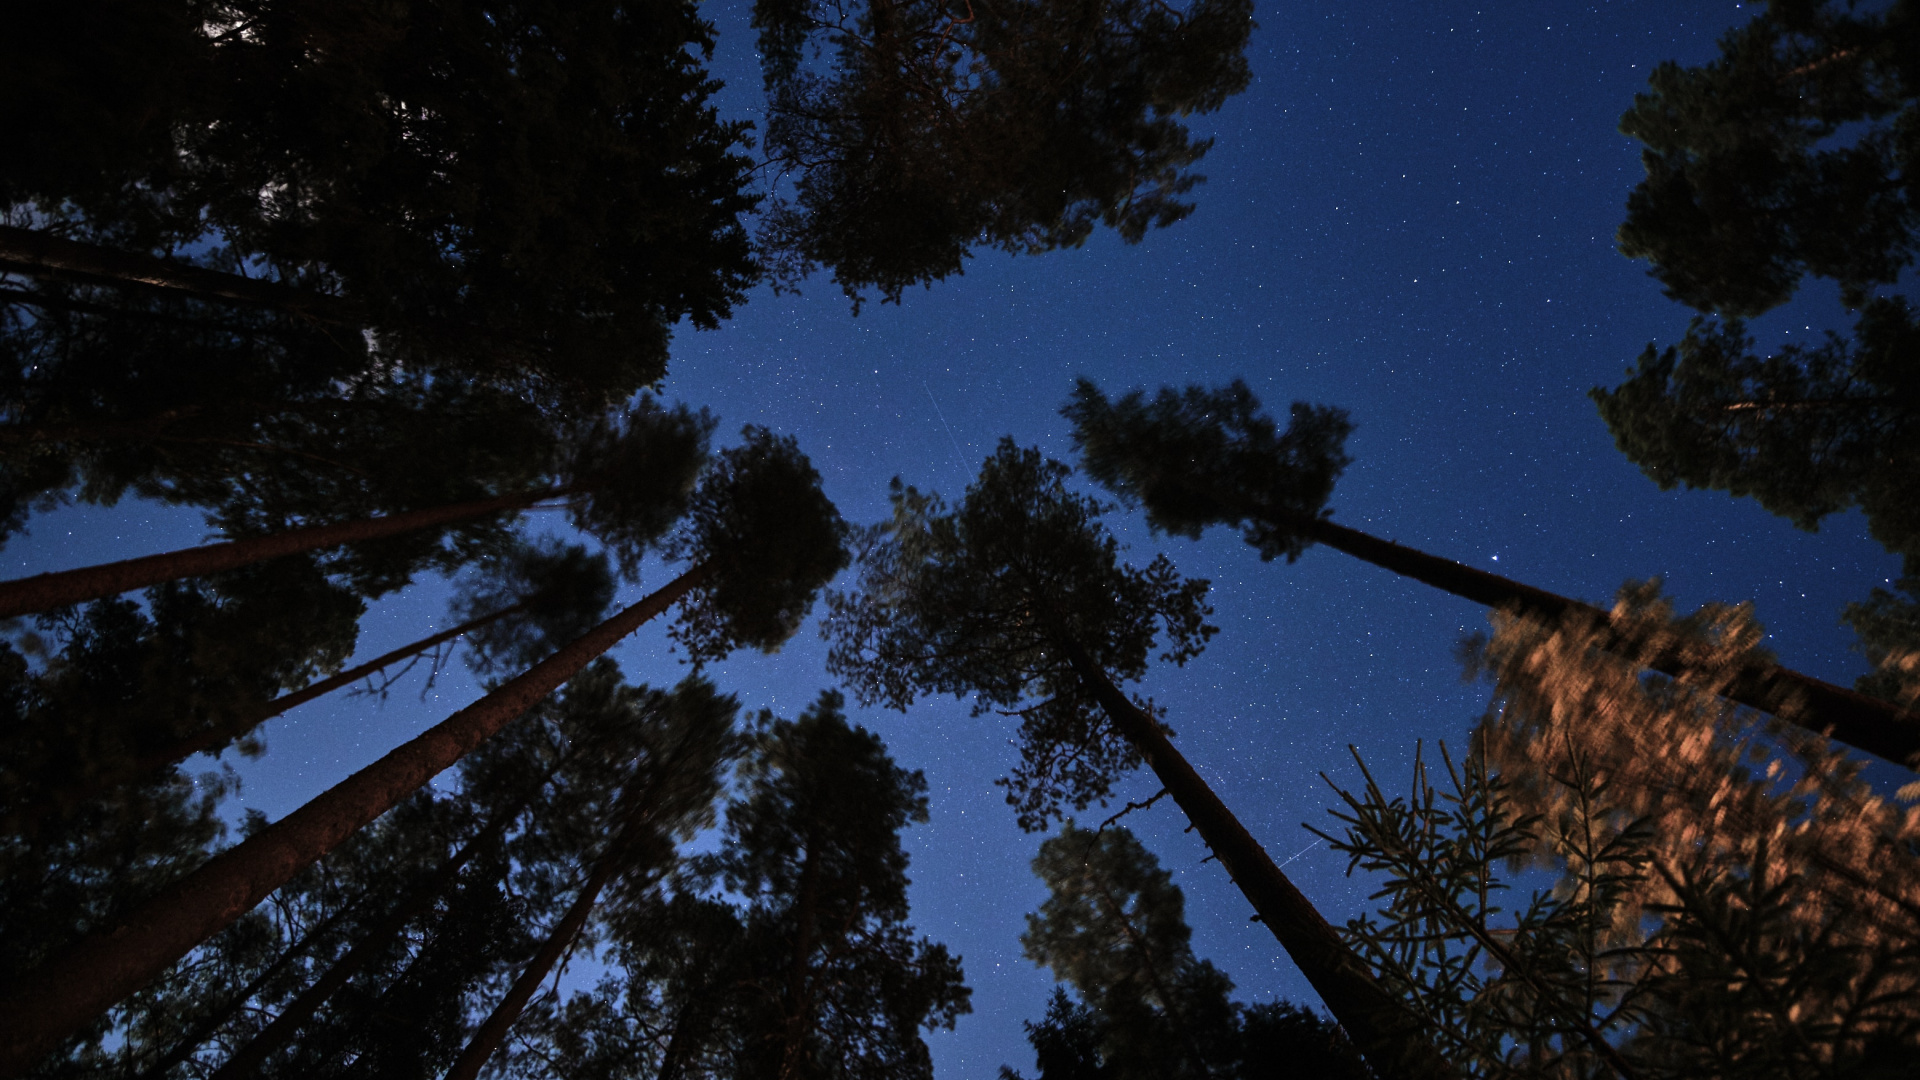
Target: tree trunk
[[493, 1033], [40, 1009], [1880, 728], [28, 251], [182, 749], [248, 1059], [44, 592], [806, 910], [1380, 1028]]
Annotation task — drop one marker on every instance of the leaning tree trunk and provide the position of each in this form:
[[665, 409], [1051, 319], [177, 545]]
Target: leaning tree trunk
[[181, 749], [42, 1008], [493, 1033], [44, 592], [29, 251], [1383, 1031], [1877, 727]]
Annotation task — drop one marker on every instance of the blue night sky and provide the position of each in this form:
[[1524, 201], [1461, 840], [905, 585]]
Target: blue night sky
[[1410, 214]]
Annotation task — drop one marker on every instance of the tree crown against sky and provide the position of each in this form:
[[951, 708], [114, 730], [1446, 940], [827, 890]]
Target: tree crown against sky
[[1791, 154], [917, 131], [1113, 927], [986, 600], [785, 950], [769, 539], [1201, 457]]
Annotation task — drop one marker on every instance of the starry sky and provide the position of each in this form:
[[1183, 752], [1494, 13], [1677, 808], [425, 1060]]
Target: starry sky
[[1409, 214]]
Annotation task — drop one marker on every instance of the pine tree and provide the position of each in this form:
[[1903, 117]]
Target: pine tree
[[1732, 978], [916, 132], [1210, 457], [795, 525], [1113, 927], [551, 175], [786, 953], [1018, 598], [1788, 155]]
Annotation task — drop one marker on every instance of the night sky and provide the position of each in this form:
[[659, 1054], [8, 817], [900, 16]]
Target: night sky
[[1410, 214]]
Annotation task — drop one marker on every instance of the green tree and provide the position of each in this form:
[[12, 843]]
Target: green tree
[[43, 1006], [1788, 155], [1018, 598], [915, 131], [1201, 457]]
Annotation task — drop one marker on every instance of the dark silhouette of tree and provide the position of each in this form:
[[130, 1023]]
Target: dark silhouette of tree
[[915, 131], [787, 952], [99, 690], [1018, 598], [550, 175], [43, 1006], [1209, 457], [674, 748], [1788, 155], [1113, 926]]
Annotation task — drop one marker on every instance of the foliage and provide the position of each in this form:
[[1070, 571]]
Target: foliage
[[769, 539], [921, 129], [1724, 784], [547, 177], [1742, 973], [557, 592], [1113, 926], [1204, 457], [986, 600], [802, 965], [1792, 153]]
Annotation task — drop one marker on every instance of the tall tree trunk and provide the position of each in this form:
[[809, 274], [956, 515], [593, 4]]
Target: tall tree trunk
[[182, 749], [29, 251], [1880, 728], [40, 1009], [1389, 1038], [218, 1019], [806, 910], [44, 592], [248, 1059], [493, 1033]]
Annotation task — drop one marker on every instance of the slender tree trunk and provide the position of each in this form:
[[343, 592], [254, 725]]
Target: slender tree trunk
[[1880, 728], [493, 1033], [688, 1029], [248, 1059], [1380, 1028], [200, 742], [44, 592], [806, 911], [40, 1009], [30, 251], [206, 1028]]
